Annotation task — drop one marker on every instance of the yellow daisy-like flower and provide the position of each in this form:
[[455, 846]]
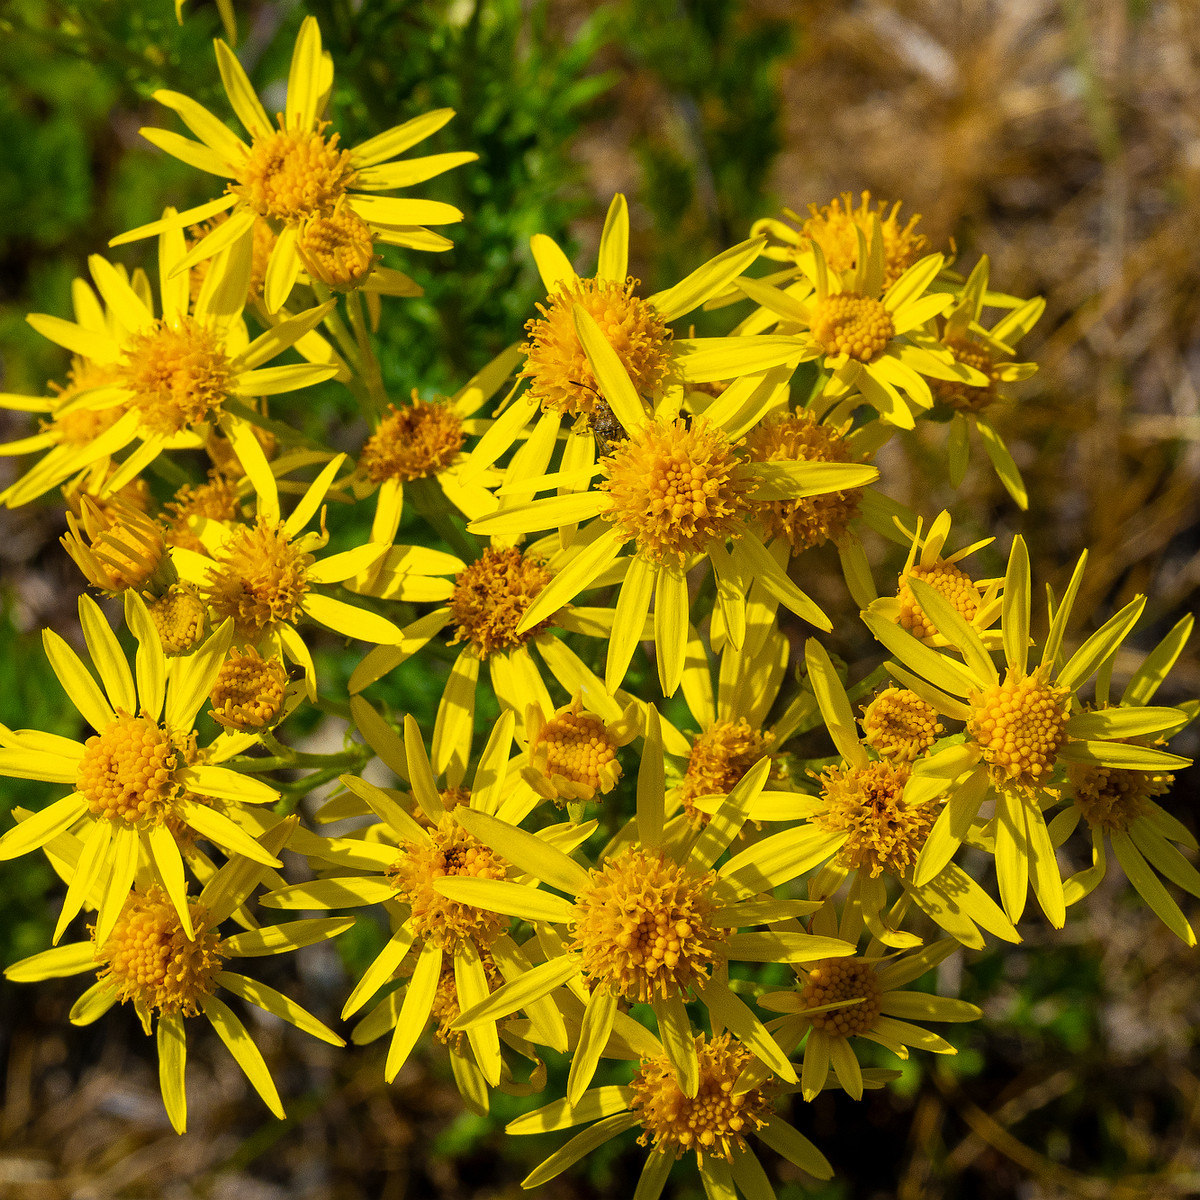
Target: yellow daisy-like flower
[[138, 779], [169, 377], [265, 577], [573, 753], [861, 997], [169, 969], [713, 1122], [683, 493], [732, 735], [835, 228], [485, 607], [422, 445], [250, 691], [1119, 804], [868, 825], [409, 862], [293, 173], [899, 725], [860, 327], [821, 514], [990, 352], [562, 374], [977, 602], [1023, 729], [119, 547], [650, 924]]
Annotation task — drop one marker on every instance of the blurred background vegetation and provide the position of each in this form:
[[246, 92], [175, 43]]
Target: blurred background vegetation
[[1060, 137]]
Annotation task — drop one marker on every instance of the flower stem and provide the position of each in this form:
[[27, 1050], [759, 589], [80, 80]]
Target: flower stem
[[369, 364]]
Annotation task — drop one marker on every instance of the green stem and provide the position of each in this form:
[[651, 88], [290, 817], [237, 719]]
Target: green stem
[[350, 352], [372, 375], [292, 759]]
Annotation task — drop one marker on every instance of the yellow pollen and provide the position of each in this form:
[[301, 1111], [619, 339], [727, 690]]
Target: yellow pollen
[[264, 243], [1020, 725], [150, 960], [799, 437], [490, 597], [720, 756], [967, 397], [118, 547], [836, 979], [899, 725], [857, 326], [867, 803], [1112, 798], [716, 1120], [215, 500], [451, 850], [674, 488], [833, 227], [291, 174], [419, 439], [645, 926], [948, 580], [127, 771], [338, 250], [248, 692], [180, 617], [179, 374], [260, 579], [556, 364], [574, 752]]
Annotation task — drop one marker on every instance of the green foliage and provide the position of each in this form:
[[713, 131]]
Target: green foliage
[[706, 168]]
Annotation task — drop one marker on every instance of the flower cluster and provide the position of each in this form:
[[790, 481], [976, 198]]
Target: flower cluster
[[638, 498]]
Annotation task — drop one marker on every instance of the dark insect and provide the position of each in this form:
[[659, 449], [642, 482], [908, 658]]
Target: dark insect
[[606, 429]]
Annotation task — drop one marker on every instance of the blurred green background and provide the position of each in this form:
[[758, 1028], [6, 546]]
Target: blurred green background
[[1057, 137]]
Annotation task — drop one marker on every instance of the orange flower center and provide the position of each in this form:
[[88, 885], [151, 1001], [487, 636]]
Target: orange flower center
[[857, 326], [291, 174]]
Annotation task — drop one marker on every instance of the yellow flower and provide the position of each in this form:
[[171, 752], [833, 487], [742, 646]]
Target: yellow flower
[[861, 328], [409, 861], [265, 577], [250, 691], [989, 353], [564, 381], [486, 606], [868, 825], [170, 377], [977, 603], [733, 735], [681, 492], [119, 547], [860, 997], [573, 753], [713, 1122], [648, 924], [138, 779], [835, 228], [1023, 730], [897, 724], [170, 970], [1119, 803], [293, 174], [421, 444]]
